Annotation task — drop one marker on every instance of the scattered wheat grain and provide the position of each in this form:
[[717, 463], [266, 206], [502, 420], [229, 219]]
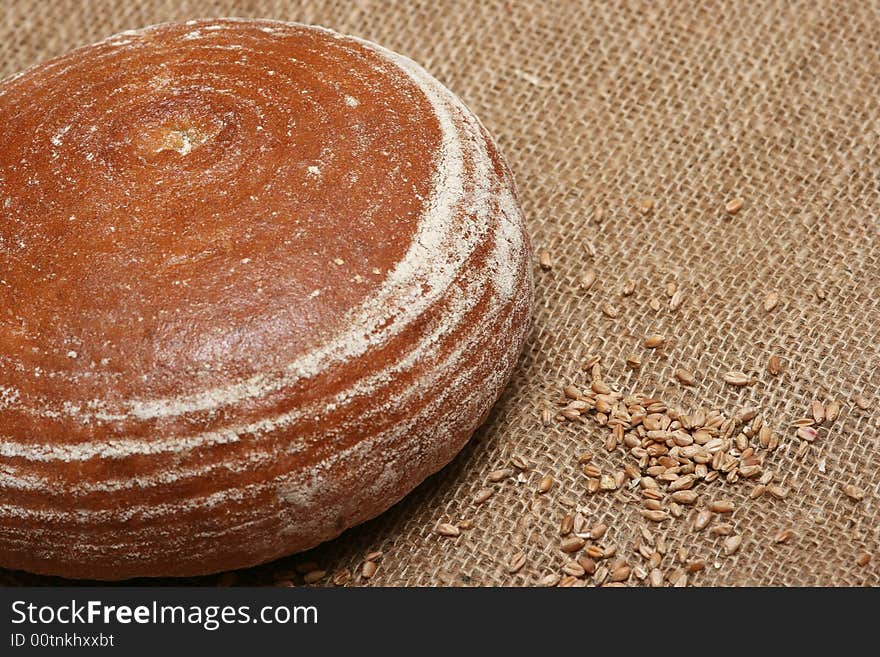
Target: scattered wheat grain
[[732, 544], [771, 301], [733, 206], [545, 484]]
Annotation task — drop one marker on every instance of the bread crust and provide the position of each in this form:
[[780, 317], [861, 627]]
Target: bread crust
[[259, 280]]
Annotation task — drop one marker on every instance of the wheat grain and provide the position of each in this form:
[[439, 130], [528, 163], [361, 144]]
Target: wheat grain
[[853, 492], [733, 206], [545, 484], [736, 379], [685, 377], [516, 562], [771, 301], [732, 544]]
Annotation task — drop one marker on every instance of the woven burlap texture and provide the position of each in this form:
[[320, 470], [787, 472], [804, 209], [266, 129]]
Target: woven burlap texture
[[607, 105]]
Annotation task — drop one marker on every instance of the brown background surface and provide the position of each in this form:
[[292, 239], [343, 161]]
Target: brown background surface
[[608, 105]]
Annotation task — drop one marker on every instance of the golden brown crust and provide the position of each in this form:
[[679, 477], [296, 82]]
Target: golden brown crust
[[262, 279]]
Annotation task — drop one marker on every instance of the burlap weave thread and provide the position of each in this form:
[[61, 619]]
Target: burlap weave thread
[[607, 105]]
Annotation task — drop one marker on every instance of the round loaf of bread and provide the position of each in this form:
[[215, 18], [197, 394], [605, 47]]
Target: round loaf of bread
[[257, 281]]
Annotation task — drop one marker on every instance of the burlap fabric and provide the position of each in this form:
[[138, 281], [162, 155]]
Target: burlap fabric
[[607, 105]]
